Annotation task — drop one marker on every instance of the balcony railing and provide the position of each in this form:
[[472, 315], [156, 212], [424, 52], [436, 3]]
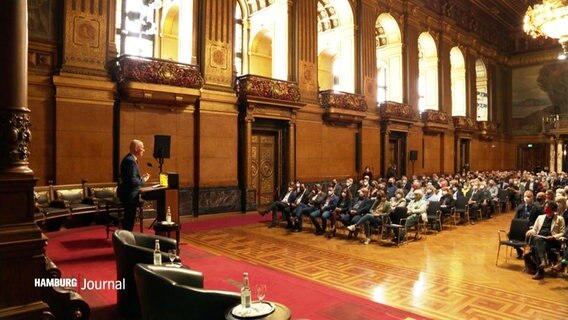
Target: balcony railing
[[399, 111], [462, 123], [435, 121], [249, 86], [155, 71], [555, 123], [342, 100], [487, 129]]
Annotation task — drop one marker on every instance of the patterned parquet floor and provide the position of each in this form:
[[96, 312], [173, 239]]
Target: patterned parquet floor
[[449, 275]]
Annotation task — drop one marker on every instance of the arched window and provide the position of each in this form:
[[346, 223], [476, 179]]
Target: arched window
[[152, 28], [428, 72], [482, 91], [389, 59], [136, 27], [169, 34], [336, 45], [261, 54], [261, 47], [459, 98]]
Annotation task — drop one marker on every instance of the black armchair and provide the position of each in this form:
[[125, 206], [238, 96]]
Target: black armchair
[[131, 248], [177, 293]]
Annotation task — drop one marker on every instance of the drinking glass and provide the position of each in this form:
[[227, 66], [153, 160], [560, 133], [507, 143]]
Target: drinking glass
[[260, 292], [172, 254]]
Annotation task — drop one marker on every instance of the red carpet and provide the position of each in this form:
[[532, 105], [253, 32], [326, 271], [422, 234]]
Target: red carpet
[[85, 253]]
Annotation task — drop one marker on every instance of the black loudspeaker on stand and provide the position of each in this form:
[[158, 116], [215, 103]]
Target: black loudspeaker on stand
[[161, 148], [413, 156]]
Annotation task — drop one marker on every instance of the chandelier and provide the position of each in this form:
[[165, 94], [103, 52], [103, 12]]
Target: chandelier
[[549, 19]]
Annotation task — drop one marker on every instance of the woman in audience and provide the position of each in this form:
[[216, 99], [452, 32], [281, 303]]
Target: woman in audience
[[343, 206], [447, 202], [374, 189], [398, 200], [381, 208]]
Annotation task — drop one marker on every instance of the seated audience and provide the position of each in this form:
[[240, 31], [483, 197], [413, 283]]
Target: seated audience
[[447, 202], [343, 207], [398, 200], [416, 212], [280, 205], [380, 208], [305, 208], [548, 229], [360, 207], [323, 211]]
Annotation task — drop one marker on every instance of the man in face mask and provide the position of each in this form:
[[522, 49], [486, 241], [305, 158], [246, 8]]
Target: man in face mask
[[286, 198], [527, 210]]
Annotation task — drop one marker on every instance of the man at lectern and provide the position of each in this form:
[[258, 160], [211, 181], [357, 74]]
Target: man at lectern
[[130, 181]]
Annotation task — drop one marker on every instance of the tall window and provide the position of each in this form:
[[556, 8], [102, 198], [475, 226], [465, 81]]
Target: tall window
[[238, 40], [389, 59], [459, 97], [382, 82], [481, 86], [336, 46], [427, 72], [135, 26]]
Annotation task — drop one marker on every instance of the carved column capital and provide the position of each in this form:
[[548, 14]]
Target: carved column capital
[[15, 137]]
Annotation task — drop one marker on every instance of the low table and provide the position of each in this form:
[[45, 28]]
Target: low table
[[162, 228], [281, 312]]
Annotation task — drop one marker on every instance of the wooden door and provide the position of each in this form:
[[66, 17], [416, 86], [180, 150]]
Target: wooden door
[[263, 155], [464, 154]]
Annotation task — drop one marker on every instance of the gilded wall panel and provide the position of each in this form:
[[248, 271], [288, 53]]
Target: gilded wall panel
[[85, 40]]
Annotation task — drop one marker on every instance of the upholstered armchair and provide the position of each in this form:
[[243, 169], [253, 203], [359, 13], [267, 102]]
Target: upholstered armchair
[[177, 293], [131, 248]]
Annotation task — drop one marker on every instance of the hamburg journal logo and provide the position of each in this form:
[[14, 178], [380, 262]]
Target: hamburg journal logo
[[79, 284]]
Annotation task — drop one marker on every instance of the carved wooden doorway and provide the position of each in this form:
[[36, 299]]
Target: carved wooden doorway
[[396, 153], [532, 156], [264, 165], [463, 161]]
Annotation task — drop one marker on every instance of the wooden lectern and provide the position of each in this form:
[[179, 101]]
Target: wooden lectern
[[166, 195]]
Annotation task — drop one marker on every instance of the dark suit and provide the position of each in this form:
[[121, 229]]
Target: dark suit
[[531, 212], [128, 190], [324, 212], [361, 207], [285, 199]]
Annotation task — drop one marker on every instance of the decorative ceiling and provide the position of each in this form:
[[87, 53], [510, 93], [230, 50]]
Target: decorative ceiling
[[509, 15]]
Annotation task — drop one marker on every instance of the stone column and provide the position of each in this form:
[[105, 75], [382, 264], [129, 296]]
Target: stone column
[[559, 154], [21, 243], [248, 199], [14, 115], [292, 150]]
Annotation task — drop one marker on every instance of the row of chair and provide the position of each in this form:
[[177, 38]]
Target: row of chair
[[396, 220]]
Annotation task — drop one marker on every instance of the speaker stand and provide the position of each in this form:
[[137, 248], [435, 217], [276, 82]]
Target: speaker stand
[[161, 163]]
